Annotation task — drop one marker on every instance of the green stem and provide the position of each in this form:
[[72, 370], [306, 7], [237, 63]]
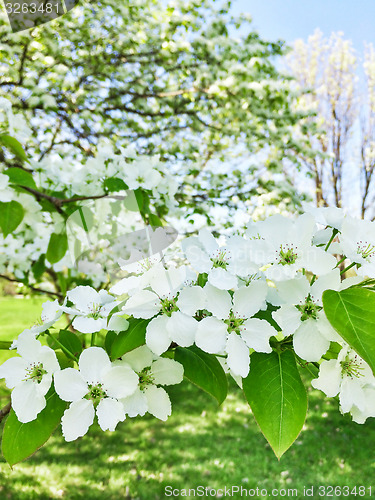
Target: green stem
[[313, 280], [340, 261], [5, 345], [93, 338], [347, 268], [62, 347], [334, 232]]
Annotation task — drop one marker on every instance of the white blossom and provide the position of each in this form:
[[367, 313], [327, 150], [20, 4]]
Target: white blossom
[[96, 387], [152, 372], [30, 376]]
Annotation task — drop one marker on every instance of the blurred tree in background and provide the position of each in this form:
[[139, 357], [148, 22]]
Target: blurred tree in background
[[184, 80], [341, 130]]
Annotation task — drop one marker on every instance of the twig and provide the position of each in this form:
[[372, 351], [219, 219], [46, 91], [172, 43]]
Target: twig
[[4, 411], [35, 289]]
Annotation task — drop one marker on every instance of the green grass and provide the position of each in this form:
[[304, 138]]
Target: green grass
[[199, 445]]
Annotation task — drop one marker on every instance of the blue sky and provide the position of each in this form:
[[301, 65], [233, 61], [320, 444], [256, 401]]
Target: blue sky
[[291, 19]]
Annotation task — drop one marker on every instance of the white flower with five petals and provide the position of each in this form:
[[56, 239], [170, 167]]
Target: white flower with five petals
[[231, 330], [301, 314], [350, 377], [92, 309], [30, 376], [152, 372], [95, 388]]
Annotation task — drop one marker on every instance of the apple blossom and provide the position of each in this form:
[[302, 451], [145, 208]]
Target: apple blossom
[[97, 388], [30, 376], [153, 372]]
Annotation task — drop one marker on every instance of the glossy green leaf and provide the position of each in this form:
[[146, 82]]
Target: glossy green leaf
[[20, 177], [133, 337], [114, 184], [39, 266], [108, 342], [11, 215], [71, 343], [22, 440], [14, 146], [57, 247], [204, 370], [351, 312], [277, 398]]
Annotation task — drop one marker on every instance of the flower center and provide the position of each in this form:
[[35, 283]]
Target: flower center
[[140, 179], [95, 311], [248, 279], [351, 367], [145, 378], [287, 255], [365, 250], [168, 306], [35, 372], [220, 259], [96, 393], [234, 323], [309, 310]]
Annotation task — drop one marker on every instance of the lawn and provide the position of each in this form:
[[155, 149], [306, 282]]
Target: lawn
[[200, 445]]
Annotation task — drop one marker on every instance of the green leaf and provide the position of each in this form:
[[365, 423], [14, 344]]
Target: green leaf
[[109, 339], [5, 345], [22, 440], [57, 247], [20, 177], [203, 370], [133, 337], [277, 398], [14, 146], [11, 215], [351, 312], [71, 342], [154, 220], [39, 266], [113, 184]]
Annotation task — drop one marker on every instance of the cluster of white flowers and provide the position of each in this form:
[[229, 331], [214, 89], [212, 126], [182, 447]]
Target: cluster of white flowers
[[119, 171], [252, 293]]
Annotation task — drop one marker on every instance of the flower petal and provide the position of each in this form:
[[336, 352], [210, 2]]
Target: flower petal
[[27, 401], [93, 362], [158, 402], [70, 385], [89, 325], [77, 419], [144, 304], [157, 336], [13, 370], [308, 343], [222, 279], [257, 334], [120, 381], [167, 371], [138, 358], [182, 328], [211, 335], [293, 291], [191, 299], [218, 302], [84, 297], [248, 300], [48, 358], [136, 404], [288, 317], [329, 378], [118, 324], [110, 412], [351, 393], [238, 358]]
